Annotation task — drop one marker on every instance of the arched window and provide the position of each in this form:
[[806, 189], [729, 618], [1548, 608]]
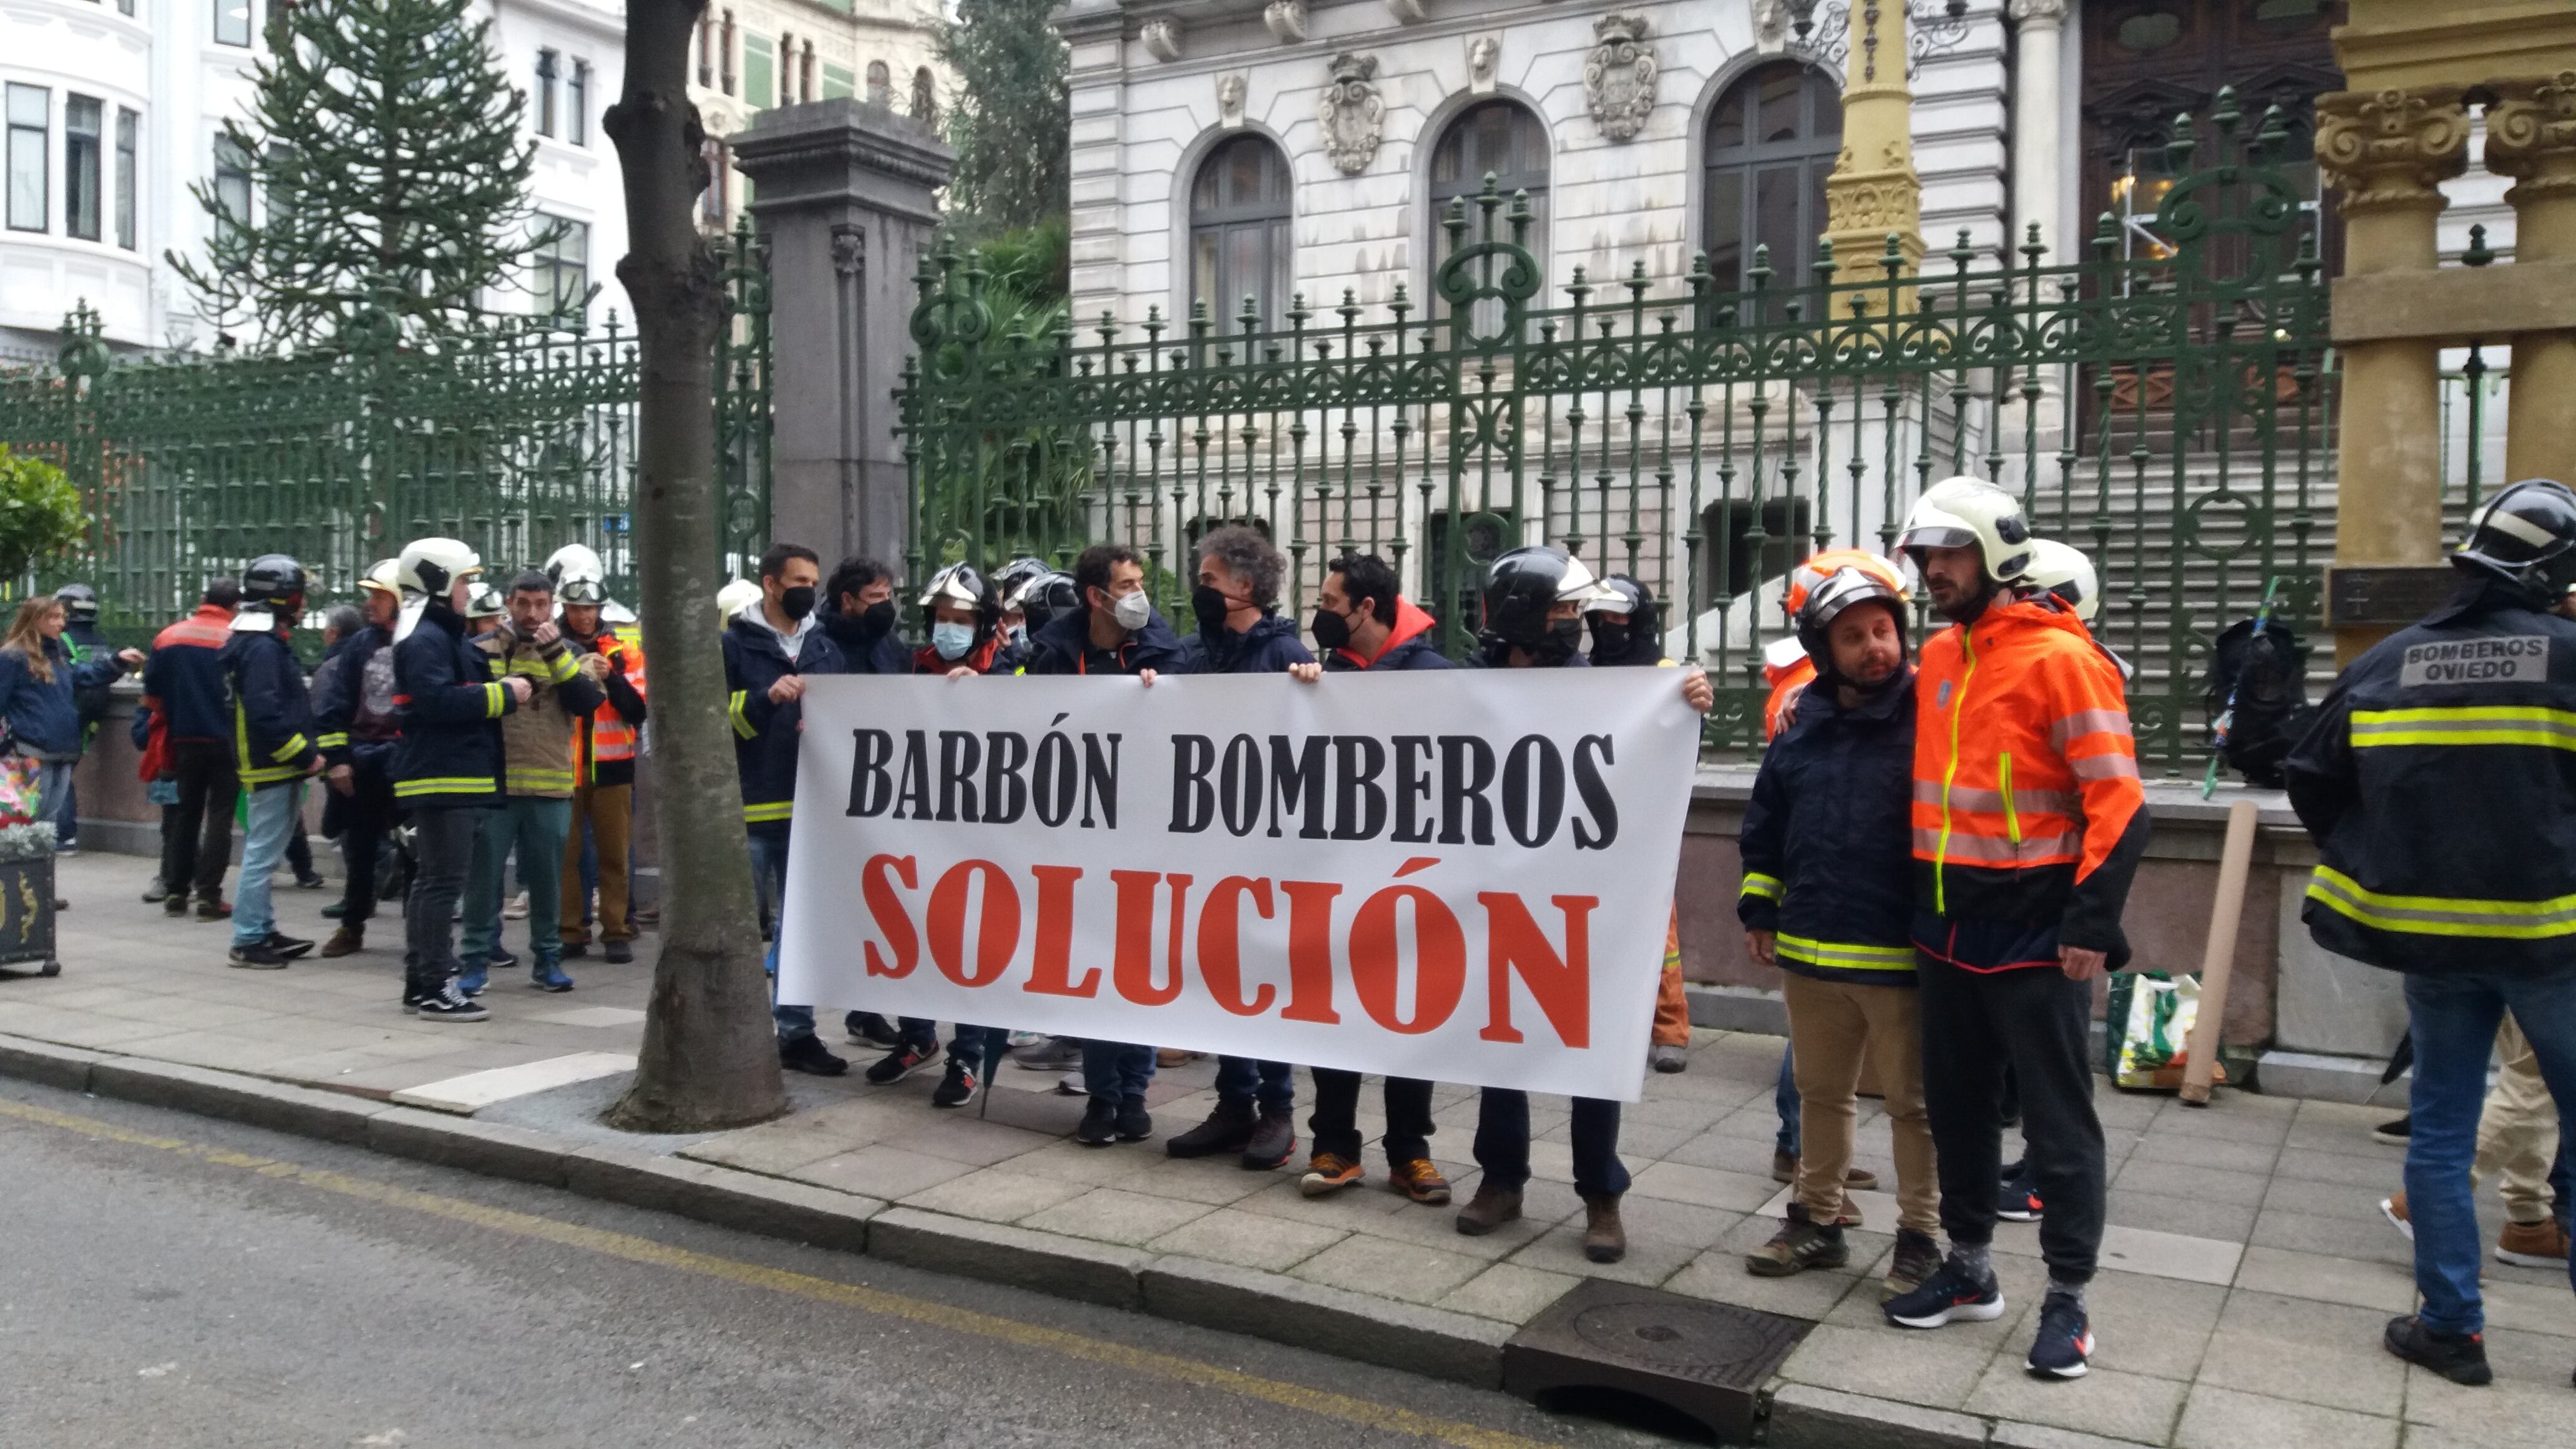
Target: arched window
[[925, 95], [1771, 144], [880, 84], [1503, 138], [1239, 214]]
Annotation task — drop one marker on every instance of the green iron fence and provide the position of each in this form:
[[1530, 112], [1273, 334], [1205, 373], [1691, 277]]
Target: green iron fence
[[2168, 412], [519, 439]]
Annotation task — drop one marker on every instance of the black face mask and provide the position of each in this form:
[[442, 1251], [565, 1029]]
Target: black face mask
[[1610, 641], [797, 602], [1331, 630], [877, 619], [1210, 608], [1558, 644]]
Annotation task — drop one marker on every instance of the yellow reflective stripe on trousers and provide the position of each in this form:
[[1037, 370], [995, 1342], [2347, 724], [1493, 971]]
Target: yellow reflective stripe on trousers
[[733, 711], [2466, 725], [445, 785], [768, 811], [1757, 884], [1844, 956], [2443, 915]]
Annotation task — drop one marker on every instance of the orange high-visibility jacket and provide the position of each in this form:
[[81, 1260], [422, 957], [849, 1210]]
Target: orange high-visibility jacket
[[2027, 805], [607, 736], [1786, 680]]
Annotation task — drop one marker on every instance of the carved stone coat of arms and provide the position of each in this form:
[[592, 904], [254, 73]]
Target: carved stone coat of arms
[[1619, 76], [1353, 114]]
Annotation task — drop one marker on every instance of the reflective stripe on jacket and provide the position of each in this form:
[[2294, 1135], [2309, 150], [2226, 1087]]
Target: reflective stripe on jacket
[[2026, 801], [2439, 782], [537, 738], [272, 710], [765, 734], [450, 708], [1827, 859]]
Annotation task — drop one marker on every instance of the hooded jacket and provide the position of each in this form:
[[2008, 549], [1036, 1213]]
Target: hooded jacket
[[1064, 647], [2029, 818], [1827, 843], [183, 680], [2439, 781], [450, 707], [272, 710], [44, 716], [1643, 651], [1411, 644], [993, 656], [765, 734], [1268, 647]]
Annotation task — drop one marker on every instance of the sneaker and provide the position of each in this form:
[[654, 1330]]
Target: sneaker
[[258, 956], [1328, 1172], [175, 904], [2393, 1208], [288, 946], [1784, 1170], [1605, 1238], [447, 1004], [2533, 1245], [1669, 1059], [2018, 1201], [2394, 1133], [1019, 1039], [867, 1028], [1169, 1057], [2459, 1357], [347, 940], [808, 1054], [617, 953], [473, 979], [156, 891], [310, 880], [548, 975], [1135, 1124], [956, 1085], [1948, 1296], [1801, 1243], [1917, 1259], [1489, 1209], [1273, 1142], [215, 909], [1099, 1125], [2065, 1340], [1051, 1054], [502, 960], [1227, 1129], [1419, 1180], [517, 909], [898, 1064]]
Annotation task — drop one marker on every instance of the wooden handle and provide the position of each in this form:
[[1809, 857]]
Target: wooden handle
[[2218, 959]]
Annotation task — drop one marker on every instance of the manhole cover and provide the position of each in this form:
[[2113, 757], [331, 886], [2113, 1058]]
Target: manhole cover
[[1705, 1360]]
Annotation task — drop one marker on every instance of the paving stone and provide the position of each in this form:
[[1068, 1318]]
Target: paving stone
[[2205, 1152], [2354, 1373], [2334, 1280], [2141, 1208], [1509, 1293], [279, 1106], [2344, 1127], [1389, 1268], [1719, 1276], [1111, 1215], [2370, 1241], [740, 1200], [885, 1172], [2217, 1418], [2105, 1401], [2011, 1434], [1560, 1250], [2150, 1325], [995, 1195], [964, 1139], [1707, 1187], [54, 1065], [2380, 1171], [1889, 1363], [2184, 1181], [1804, 1416], [1230, 1235], [2543, 1307]]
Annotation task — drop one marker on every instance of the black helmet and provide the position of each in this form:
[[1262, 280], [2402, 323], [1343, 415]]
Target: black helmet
[[1008, 581], [1044, 597], [2526, 537], [272, 579], [1523, 585], [80, 603], [1621, 594], [1826, 601]]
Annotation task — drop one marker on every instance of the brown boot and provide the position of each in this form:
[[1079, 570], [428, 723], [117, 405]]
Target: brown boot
[[1490, 1209], [1604, 1239], [344, 941]]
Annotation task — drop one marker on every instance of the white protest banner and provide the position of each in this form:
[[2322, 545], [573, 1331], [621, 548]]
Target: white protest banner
[[1462, 875]]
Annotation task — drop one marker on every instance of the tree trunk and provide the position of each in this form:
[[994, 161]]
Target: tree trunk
[[710, 1057]]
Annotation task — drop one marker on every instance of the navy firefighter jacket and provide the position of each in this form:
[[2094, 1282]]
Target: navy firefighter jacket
[[1828, 840], [765, 734]]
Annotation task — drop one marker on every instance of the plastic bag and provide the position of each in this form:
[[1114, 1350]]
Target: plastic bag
[[20, 801], [2147, 1029]]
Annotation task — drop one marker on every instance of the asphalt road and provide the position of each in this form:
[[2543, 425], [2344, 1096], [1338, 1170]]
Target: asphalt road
[[171, 1281]]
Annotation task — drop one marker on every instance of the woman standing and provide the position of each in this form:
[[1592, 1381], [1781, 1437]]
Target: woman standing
[[39, 716]]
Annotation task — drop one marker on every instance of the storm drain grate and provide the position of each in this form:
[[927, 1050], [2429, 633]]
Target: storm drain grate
[[1707, 1361]]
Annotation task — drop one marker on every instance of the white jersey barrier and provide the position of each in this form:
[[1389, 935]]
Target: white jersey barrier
[[1463, 876]]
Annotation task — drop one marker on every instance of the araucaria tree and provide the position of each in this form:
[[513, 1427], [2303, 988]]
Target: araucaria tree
[[381, 161], [1009, 123]]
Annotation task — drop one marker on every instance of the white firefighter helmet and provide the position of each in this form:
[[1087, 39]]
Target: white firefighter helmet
[[431, 566], [735, 597], [484, 602], [382, 576], [579, 577], [2063, 570], [1966, 512]]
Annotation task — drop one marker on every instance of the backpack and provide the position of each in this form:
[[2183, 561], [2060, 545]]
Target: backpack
[[2256, 698]]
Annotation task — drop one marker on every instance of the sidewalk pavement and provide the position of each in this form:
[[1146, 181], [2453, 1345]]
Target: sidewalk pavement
[[2247, 1270]]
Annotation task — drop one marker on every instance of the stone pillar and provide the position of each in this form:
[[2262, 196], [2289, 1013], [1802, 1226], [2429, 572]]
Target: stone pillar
[[2037, 179], [844, 194], [1874, 190], [2388, 153], [2531, 136]]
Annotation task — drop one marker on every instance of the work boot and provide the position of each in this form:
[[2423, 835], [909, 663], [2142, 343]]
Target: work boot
[[1917, 1259], [1227, 1129], [1604, 1239], [348, 940], [808, 1054], [1801, 1243], [1273, 1139], [575, 949], [617, 953], [1489, 1209], [1419, 1180], [1135, 1124], [2459, 1357]]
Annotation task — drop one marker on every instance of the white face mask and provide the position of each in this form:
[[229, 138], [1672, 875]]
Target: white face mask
[[1132, 610], [1020, 634], [952, 640]]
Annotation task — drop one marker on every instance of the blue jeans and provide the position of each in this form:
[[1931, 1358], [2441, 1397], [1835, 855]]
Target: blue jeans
[[272, 816], [1271, 1084], [2454, 1017], [1503, 1139], [769, 879], [1784, 1098], [1116, 1072]]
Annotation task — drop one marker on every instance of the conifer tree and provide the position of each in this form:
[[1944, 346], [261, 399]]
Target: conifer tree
[[1010, 121], [386, 164]]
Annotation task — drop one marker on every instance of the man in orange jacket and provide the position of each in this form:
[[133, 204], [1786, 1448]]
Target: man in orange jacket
[[2028, 825]]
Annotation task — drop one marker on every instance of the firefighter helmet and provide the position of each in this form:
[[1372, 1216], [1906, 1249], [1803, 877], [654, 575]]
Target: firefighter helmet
[[1042, 598], [1966, 512], [579, 577], [431, 566], [1828, 599], [484, 602], [272, 580], [383, 576], [1524, 584], [2062, 570], [960, 586], [80, 603], [1012, 576], [1816, 568], [735, 597], [2526, 537]]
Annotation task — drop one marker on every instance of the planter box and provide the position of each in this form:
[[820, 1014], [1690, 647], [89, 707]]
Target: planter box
[[27, 917]]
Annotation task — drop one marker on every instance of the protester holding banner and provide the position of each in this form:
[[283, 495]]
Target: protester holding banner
[[1117, 631], [1236, 603], [769, 651], [1533, 609], [1627, 633]]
